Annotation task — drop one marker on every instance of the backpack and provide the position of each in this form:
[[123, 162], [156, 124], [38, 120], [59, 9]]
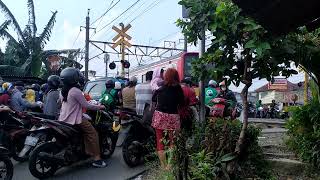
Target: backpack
[[109, 98]]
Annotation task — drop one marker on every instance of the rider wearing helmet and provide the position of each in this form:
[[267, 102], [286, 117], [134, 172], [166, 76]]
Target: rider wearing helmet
[[211, 92], [43, 91], [109, 97], [71, 112], [227, 94], [52, 105], [36, 88], [129, 95]]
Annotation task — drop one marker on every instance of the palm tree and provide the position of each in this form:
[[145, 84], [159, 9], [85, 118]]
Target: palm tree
[[29, 45]]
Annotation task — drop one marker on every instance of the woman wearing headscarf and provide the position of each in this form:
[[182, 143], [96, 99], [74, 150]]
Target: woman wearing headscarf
[[30, 96], [157, 79], [73, 102]]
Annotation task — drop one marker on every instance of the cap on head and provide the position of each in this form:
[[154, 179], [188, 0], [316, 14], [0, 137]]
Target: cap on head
[[110, 84], [212, 83], [133, 79]]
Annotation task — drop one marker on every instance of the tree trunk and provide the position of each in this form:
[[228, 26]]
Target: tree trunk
[[244, 97], [247, 80]]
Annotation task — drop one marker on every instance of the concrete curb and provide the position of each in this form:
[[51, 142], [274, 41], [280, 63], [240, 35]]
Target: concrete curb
[[138, 174]]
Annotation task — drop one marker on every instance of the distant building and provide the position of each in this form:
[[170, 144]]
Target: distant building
[[252, 97], [281, 90]]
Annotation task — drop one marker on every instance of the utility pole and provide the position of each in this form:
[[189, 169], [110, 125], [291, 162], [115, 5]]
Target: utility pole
[[201, 83], [185, 44], [86, 60], [106, 60]]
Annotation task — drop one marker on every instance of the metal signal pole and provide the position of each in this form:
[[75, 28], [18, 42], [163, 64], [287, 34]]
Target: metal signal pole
[[86, 65], [201, 83]]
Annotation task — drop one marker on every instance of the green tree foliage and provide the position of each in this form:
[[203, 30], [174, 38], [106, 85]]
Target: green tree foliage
[[25, 54], [240, 49], [306, 48], [304, 130], [212, 152]]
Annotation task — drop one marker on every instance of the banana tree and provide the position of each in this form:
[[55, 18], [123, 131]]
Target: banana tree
[[30, 45]]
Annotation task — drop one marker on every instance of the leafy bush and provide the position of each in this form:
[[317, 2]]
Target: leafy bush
[[304, 132], [210, 155]]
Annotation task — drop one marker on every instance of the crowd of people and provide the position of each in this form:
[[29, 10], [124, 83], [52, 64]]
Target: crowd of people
[[170, 103], [20, 97]]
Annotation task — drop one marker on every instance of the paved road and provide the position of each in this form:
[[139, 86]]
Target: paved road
[[117, 170]]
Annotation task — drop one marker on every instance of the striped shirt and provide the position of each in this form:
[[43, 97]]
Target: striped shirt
[[143, 96]]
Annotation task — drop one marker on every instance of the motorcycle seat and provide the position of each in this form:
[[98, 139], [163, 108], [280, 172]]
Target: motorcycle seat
[[131, 112], [66, 127]]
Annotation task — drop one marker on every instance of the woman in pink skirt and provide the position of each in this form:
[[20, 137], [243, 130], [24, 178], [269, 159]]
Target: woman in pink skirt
[[166, 119]]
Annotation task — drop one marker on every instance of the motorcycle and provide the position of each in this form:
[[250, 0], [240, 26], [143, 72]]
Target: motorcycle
[[273, 112], [14, 128], [251, 111], [66, 146], [6, 168], [139, 141], [217, 109], [37, 135]]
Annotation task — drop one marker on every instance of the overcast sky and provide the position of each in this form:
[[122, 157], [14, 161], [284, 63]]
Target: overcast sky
[[154, 22]]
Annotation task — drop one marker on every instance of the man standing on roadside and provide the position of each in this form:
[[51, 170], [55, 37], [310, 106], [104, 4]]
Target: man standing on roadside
[[144, 94], [129, 95]]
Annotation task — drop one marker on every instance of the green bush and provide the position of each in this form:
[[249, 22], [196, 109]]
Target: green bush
[[211, 156], [304, 132]]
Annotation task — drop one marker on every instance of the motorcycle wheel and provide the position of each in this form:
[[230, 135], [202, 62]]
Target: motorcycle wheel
[[41, 168], [131, 153], [107, 145], [6, 168]]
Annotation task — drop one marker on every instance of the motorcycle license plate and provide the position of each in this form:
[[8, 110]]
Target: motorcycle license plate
[[31, 141]]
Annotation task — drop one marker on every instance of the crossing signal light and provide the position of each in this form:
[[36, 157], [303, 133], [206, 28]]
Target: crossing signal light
[[126, 64], [112, 65]]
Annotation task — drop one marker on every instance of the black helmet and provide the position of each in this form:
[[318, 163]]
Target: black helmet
[[54, 81], [44, 87], [35, 87], [70, 76], [82, 79], [110, 84]]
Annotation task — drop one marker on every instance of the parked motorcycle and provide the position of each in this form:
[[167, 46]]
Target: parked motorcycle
[[6, 167], [67, 147], [251, 110], [140, 138], [274, 112], [14, 128]]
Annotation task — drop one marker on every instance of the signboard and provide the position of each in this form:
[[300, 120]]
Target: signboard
[[278, 84], [54, 62]]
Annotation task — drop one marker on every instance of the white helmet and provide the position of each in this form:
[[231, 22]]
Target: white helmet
[[117, 85]]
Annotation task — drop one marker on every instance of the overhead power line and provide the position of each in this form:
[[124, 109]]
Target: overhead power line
[[110, 7], [151, 6], [74, 42], [119, 16]]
